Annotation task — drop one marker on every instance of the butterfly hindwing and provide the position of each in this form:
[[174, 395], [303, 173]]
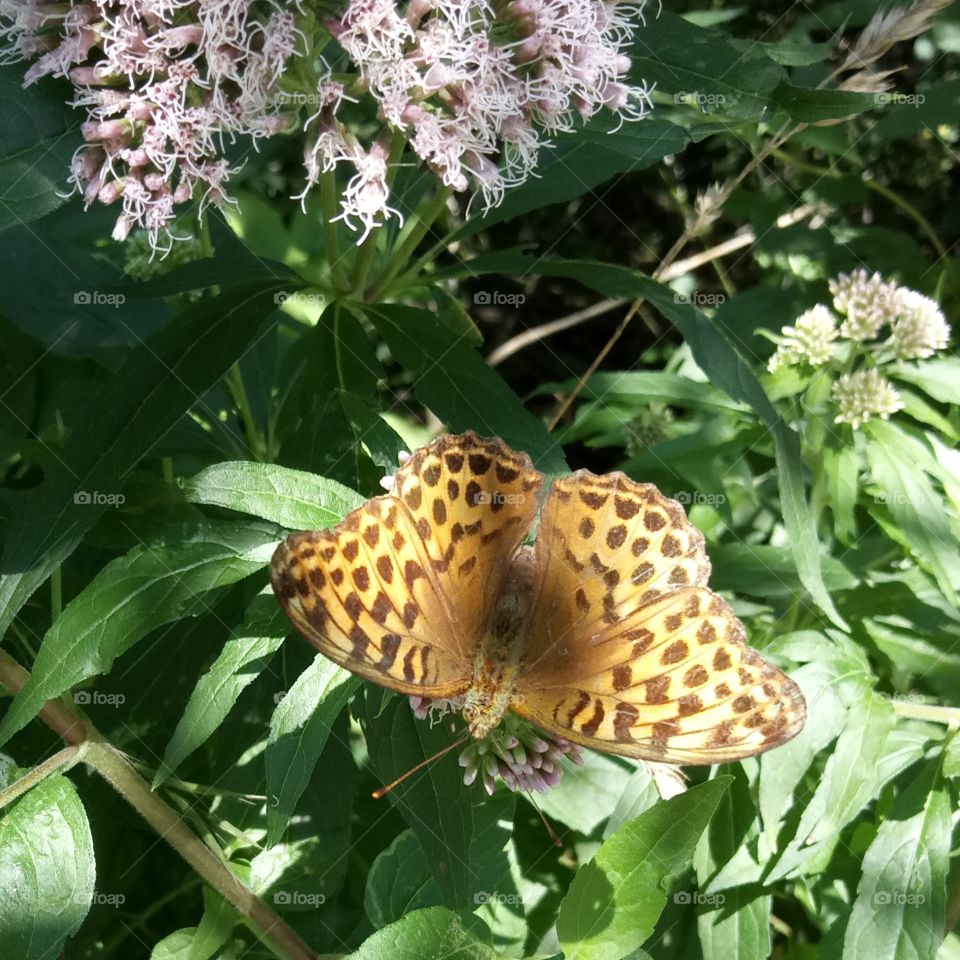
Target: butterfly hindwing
[[627, 650]]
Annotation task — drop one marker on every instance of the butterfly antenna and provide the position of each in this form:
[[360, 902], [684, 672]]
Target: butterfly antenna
[[383, 791], [551, 833]]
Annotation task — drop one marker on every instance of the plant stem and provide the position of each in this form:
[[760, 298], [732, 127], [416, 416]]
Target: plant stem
[[118, 772], [54, 713], [927, 711], [328, 201], [238, 389], [103, 757], [409, 239], [61, 761]]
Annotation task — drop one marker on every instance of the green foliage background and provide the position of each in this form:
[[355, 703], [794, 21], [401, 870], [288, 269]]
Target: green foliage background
[[159, 438]]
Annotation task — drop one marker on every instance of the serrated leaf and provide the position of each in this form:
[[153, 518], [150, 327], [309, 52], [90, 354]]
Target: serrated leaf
[[399, 881], [291, 498], [734, 923], [914, 504], [175, 946], [463, 833], [900, 909], [39, 136], [240, 662], [156, 385], [586, 794], [152, 585], [47, 869], [681, 58], [614, 901], [811, 105], [853, 776], [842, 466], [433, 932], [939, 377], [299, 729]]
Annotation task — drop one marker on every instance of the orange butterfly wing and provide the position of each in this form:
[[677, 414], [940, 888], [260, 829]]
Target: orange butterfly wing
[[402, 590], [627, 650]]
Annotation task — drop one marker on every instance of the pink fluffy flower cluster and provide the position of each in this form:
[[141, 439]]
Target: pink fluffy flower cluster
[[165, 83], [475, 88]]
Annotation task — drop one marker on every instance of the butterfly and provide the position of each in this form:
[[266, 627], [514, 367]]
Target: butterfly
[[604, 632]]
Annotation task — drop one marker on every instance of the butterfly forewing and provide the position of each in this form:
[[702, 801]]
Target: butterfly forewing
[[472, 501], [627, 650], [401, 591]]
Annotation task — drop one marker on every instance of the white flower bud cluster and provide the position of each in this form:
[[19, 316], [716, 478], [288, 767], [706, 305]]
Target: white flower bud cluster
[[865, 305]]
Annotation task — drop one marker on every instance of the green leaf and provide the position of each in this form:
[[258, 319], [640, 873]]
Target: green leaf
[[853, 776], [939, 377], [614, 901], [842, 466], [240, 662], [583, 160], [216, 925], [735, 923], [914, 504], [681, 58], [811, 105], [291, 498], [47, 869], [763, 570], [900, 909], [39, 136], [456, 383], [661, 387], [400, 881], [433, 932], [951, 758], [152, 585], [175, 946], [586, 794], [157, 384], [463, 835], [299, 729]]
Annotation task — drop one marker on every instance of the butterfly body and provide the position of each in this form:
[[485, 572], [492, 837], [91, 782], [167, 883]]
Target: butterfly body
[[603, 633]]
